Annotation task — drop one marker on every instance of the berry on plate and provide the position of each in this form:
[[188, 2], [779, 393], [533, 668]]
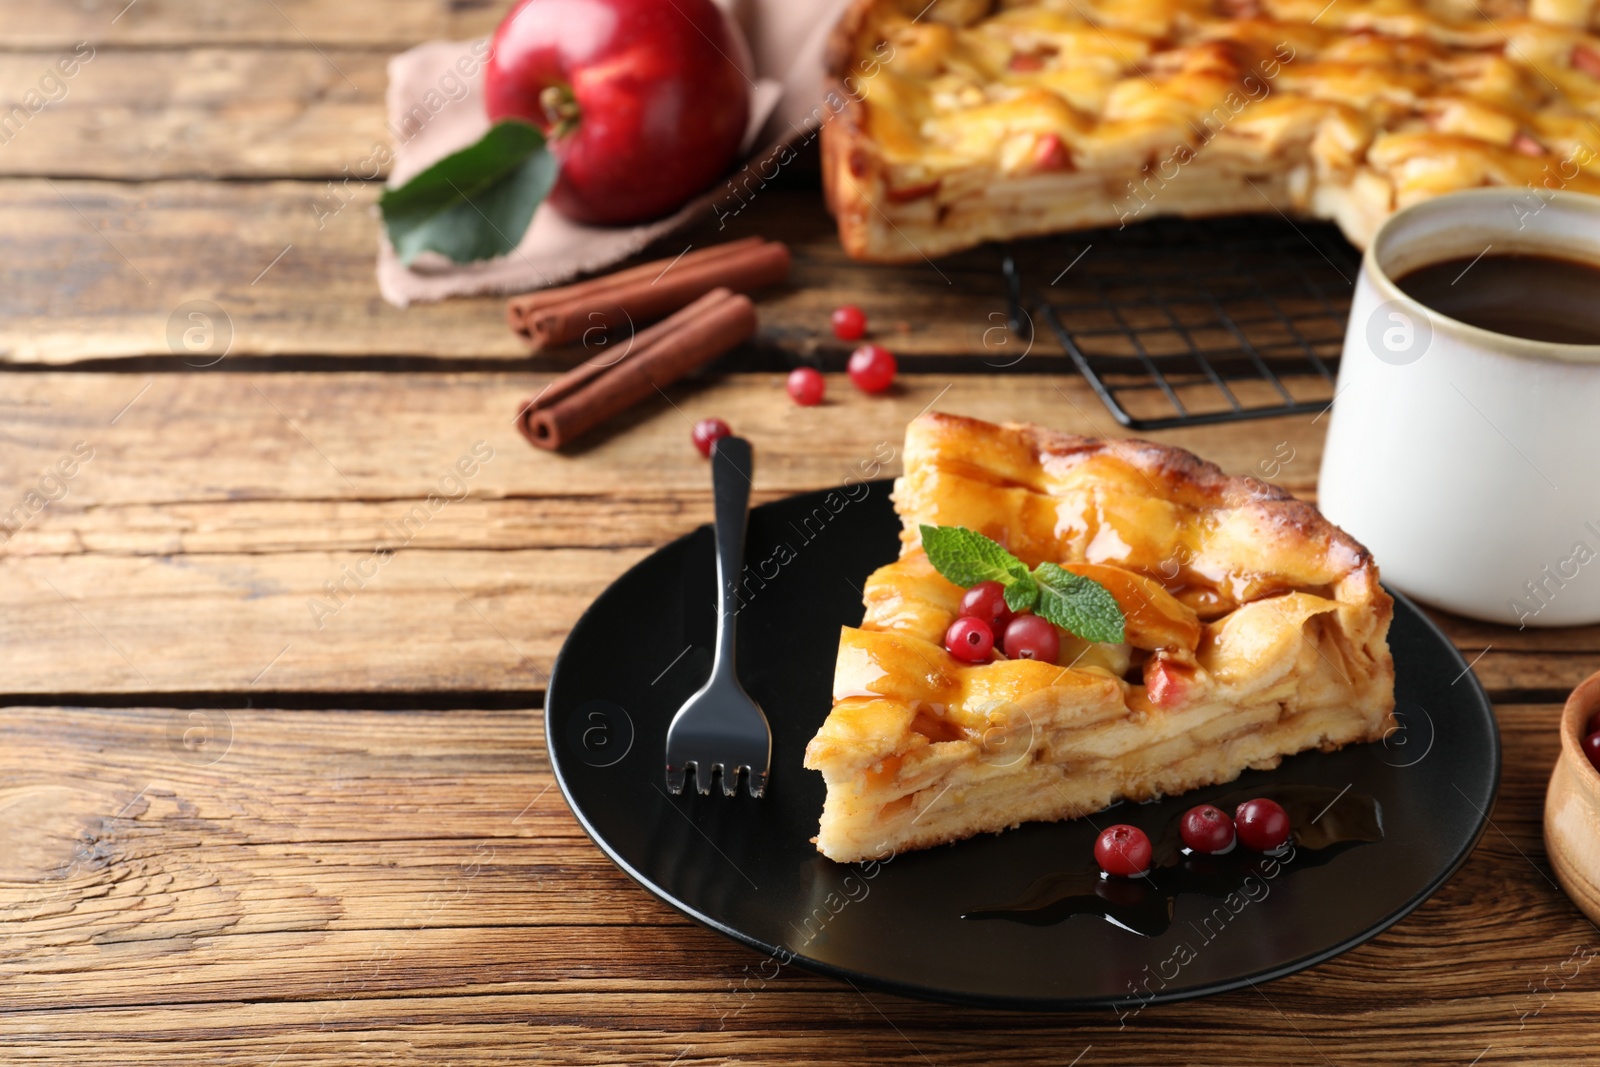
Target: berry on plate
[[1123, 850], [1262, 824], [1207, 828]]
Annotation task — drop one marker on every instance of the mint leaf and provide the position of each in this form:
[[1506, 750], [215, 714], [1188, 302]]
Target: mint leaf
[[966, 557], [1079, 605], [1022, 595], [476, 203]]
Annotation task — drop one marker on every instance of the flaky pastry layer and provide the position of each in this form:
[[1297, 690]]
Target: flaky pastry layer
[[1255, 629], [962, 121]]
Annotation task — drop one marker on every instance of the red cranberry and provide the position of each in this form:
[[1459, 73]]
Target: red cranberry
[[849, 323], [872, 368], [1031, 637], [987, 601], [1591, 748], [1263, 825], [1207, 828], [970, 639], [806, 386], [1050, 154], [1594, 725], [1123, 850], [706, 433]]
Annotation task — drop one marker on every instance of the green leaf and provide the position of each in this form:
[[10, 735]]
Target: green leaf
[[476, 203], [1022, 595], [966, 557], [1079, 605]]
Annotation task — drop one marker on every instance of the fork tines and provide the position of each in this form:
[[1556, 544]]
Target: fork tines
[[677, 778]]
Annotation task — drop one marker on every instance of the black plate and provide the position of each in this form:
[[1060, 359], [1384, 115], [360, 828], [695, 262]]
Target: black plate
[[747, 868]]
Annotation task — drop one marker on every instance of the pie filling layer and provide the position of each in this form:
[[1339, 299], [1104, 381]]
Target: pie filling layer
[[1254, 630], [967, 120]]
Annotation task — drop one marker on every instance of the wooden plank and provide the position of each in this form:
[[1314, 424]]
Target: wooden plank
[[407, 876], [373, 438], [295, 23], [471, 620], [195, 113], [104, 269], [341, 886], [185, 552], [99, 270], [843, 1029], [188, 552]]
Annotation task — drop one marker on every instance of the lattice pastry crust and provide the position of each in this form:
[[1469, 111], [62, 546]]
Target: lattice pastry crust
[[961, 121], [1255, 629]]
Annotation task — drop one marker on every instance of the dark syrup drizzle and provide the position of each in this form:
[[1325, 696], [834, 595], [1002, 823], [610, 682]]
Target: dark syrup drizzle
[[1144, 905]]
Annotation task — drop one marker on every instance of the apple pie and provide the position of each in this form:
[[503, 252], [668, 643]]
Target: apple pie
[[1254, 629], [961, 121]]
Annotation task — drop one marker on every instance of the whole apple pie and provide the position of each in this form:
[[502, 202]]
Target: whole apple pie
[[959, 121], [1251, 628]]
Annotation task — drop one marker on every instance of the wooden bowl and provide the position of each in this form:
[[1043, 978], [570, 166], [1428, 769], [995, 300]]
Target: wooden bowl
[[1572, 806]]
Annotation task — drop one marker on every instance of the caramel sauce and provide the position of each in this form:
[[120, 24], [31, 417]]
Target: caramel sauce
[[1325, 823], [935, 728]]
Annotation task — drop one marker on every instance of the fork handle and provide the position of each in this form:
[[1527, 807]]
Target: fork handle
[[730, 494]]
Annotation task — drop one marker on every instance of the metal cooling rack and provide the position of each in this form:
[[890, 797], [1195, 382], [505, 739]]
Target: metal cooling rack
[[1188, 322]]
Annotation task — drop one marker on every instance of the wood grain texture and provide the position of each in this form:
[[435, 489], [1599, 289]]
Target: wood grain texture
[[194, 112], [332, 883], [189, 551], [102, 268], [174, 439], [1572, 806], [391, 26], [332, 887], [99, 270]]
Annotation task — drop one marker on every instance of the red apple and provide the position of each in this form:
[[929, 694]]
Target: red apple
[[645, 102]]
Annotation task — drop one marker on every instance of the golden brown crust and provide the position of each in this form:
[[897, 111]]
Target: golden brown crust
[[1378, 105], [1286, 528], [1202, 484], [841, 47], [847, 155], [1255, 629]]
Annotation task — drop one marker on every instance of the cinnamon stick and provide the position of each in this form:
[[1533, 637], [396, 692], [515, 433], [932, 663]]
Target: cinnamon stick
[[592, 368], [642, 300], [518, 306], [662, 354]]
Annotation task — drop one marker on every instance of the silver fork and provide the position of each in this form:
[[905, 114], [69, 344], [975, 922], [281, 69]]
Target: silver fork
[[720, 729]]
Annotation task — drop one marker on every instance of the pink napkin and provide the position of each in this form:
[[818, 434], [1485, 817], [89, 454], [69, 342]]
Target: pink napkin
[[435, 107]]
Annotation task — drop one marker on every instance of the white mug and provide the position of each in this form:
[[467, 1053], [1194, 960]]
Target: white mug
[[1468, 461]]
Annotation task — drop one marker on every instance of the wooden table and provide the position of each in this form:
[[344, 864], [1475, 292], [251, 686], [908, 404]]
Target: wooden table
[[236, 830]]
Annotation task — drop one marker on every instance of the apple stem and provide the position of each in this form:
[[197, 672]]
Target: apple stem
[[560, 108]]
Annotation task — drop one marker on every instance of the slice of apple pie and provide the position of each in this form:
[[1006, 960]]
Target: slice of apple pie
[[1252, 629], [953, 122]]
